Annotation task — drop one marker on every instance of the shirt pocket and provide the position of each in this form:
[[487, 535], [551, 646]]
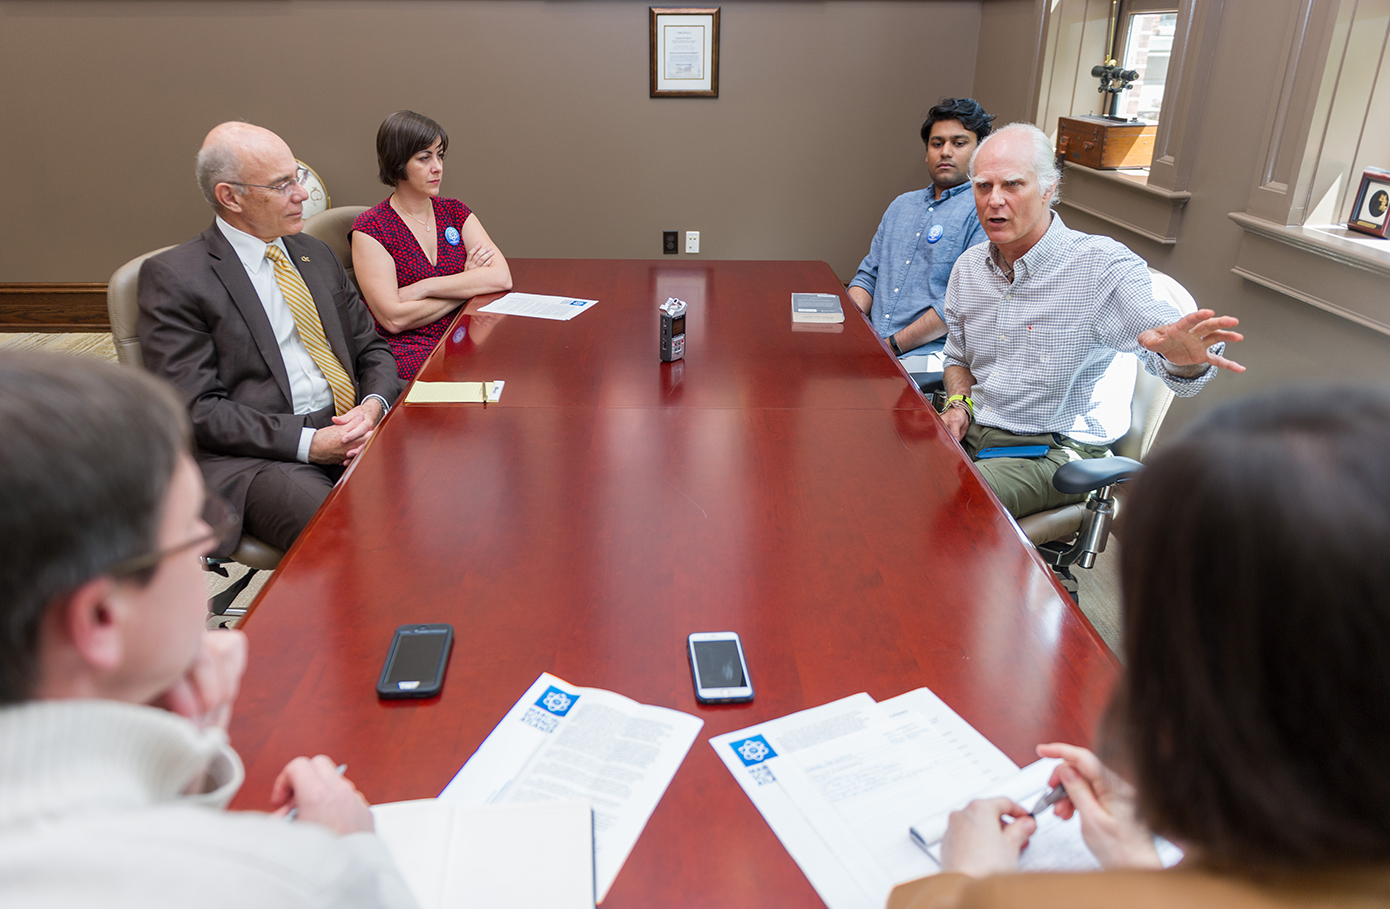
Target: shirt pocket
[[1057, 351]]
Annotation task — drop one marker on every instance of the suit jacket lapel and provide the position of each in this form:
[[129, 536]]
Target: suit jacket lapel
[[229, 270], [323, 299]]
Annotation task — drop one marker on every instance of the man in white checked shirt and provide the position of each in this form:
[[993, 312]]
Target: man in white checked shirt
[[274, 353], [1044, 325]]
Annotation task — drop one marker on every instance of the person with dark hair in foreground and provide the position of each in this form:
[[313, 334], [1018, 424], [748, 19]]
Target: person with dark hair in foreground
[[902, 281], [1253, 719], [419, 257], [114, 698]]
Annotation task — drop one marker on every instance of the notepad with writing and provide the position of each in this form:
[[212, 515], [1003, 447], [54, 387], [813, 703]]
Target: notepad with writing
[[498, 856]]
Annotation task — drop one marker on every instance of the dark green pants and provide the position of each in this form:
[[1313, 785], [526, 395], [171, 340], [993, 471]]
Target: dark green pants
[[1024, 485]]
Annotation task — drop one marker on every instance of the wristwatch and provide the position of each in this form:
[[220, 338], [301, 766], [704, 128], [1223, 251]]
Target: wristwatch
[[893, 343]]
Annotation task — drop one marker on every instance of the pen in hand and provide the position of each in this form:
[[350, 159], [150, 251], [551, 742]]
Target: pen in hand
[[294, 812], [1049, 798]]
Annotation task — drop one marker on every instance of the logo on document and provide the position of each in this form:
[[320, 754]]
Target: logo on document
[[557, 701], [545, 713], [935, 233], [753, 751], [578, 302]]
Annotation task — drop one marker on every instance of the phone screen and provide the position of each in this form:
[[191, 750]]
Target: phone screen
[[718, 664], [417, 656]]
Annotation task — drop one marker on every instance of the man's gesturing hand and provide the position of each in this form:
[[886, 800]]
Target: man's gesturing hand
[[1185, 342]]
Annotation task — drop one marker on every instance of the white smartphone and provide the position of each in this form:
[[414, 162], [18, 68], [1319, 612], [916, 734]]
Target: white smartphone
[[718, 667]]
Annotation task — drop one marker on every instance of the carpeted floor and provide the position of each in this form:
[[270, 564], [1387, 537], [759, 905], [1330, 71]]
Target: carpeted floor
[[1099, 587]]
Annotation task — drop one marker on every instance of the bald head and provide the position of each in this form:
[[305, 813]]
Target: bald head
[[236, 165]]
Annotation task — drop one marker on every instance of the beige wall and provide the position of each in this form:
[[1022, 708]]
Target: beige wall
[[554, 140], [1287, 341]]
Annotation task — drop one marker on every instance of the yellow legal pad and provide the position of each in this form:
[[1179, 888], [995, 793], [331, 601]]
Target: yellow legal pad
[[455, 392]]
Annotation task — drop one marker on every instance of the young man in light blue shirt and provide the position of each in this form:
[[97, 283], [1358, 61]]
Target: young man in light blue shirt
[[901, 284]]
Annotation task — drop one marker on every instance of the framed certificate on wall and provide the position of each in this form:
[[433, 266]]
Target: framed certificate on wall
[[684, 52]]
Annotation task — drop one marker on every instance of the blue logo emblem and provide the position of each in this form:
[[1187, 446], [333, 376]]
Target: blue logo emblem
[[753, 750], [452, 235], [932, 235], [556, 701]]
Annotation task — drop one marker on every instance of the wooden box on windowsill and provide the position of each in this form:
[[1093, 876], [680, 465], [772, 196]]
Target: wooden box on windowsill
[[1105, 144]]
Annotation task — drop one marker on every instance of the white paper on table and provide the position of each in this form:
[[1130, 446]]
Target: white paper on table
[[757, 757], [1057, 845], [561, 741], [538, 306], [839, 785], [862, 792], [451, 855]]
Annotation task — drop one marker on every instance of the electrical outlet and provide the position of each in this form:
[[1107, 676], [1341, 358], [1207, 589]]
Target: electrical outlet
[[668, 243], [692, 241]]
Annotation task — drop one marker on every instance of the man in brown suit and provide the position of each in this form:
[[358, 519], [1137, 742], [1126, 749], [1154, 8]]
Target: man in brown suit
[[275, 355]]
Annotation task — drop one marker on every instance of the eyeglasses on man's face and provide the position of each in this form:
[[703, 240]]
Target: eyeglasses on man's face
[[301, 176], [217, 514]]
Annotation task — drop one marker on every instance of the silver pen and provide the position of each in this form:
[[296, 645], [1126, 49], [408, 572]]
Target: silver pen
[[1049, 798]]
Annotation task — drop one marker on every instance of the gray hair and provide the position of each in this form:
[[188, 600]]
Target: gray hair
[[216, 164], [1043, 162]]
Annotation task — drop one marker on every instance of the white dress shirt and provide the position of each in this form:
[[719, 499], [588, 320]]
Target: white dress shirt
[[309, 391]]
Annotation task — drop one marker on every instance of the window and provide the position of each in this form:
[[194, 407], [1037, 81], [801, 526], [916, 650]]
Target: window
[[1147, 48]]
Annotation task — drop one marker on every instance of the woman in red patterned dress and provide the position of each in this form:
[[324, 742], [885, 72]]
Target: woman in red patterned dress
[[418, 257]]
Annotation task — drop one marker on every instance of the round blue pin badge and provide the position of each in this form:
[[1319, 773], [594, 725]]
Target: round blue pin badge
[[452, 235], [935, 233]]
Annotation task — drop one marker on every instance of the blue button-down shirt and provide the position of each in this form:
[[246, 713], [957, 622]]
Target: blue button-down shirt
[[909, 263]]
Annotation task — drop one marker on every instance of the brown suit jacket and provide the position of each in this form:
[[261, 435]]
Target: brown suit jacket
[[1182, 886], [203, 328]]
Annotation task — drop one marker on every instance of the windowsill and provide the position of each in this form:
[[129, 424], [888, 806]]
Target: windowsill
[[1326, 266], [1125, 199]]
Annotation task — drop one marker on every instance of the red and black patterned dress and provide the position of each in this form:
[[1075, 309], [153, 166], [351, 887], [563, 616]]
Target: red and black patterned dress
[[382, 224]]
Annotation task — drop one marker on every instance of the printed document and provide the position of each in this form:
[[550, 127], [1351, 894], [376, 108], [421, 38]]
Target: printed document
[[561, 741], [539, 307], [453, 856], [842, 785]]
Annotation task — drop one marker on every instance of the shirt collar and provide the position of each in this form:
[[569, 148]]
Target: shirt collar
[[947, 193], [250, 250], [1029, 263]]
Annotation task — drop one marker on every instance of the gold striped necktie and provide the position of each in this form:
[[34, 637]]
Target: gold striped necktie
[[306, 320]]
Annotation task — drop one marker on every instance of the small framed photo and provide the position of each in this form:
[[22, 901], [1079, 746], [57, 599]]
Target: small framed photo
[[1371, 213], [685, 52]]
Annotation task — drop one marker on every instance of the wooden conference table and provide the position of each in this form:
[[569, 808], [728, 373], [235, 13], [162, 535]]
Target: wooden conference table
[[789, 485]]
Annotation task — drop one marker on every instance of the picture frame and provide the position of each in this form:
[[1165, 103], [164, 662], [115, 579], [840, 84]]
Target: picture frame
[[1371, 213], [684, 52]]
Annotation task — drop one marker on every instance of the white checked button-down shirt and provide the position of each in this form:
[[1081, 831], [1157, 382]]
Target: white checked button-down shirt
[[1056, 349]]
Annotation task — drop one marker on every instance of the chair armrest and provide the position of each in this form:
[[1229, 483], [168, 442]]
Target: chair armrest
[[1086, 475]]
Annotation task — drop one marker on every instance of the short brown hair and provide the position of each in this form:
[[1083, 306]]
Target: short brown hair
[[400, 137], [87, 452], [1254, 714]]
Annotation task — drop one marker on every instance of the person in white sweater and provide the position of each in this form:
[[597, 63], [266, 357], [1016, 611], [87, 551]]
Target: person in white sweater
[[114, 698]]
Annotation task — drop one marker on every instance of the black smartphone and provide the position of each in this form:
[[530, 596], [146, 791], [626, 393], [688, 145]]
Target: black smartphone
[[415, 663], [718, 668]]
